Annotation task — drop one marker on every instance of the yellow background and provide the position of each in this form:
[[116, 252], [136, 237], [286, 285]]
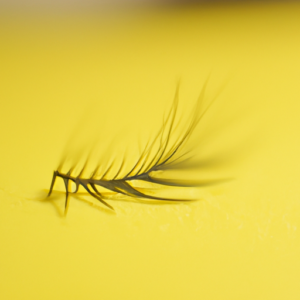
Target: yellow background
[[69, 79]]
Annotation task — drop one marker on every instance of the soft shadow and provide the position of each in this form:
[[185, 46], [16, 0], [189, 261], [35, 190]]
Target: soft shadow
[[57, 200]]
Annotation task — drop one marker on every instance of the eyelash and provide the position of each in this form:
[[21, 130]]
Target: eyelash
[[166, 158]]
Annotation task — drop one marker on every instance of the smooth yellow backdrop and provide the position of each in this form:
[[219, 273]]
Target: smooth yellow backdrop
[[70, 79]]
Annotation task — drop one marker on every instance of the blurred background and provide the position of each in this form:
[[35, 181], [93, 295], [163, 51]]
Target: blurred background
[[80, 74], [117, 4]]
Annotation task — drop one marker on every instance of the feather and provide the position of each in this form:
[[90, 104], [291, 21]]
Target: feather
[[170, 155]]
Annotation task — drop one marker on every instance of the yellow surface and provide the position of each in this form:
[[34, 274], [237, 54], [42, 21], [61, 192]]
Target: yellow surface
[[68, 80]]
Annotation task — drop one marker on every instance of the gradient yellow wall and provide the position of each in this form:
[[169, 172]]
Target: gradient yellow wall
[[67, 80]]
